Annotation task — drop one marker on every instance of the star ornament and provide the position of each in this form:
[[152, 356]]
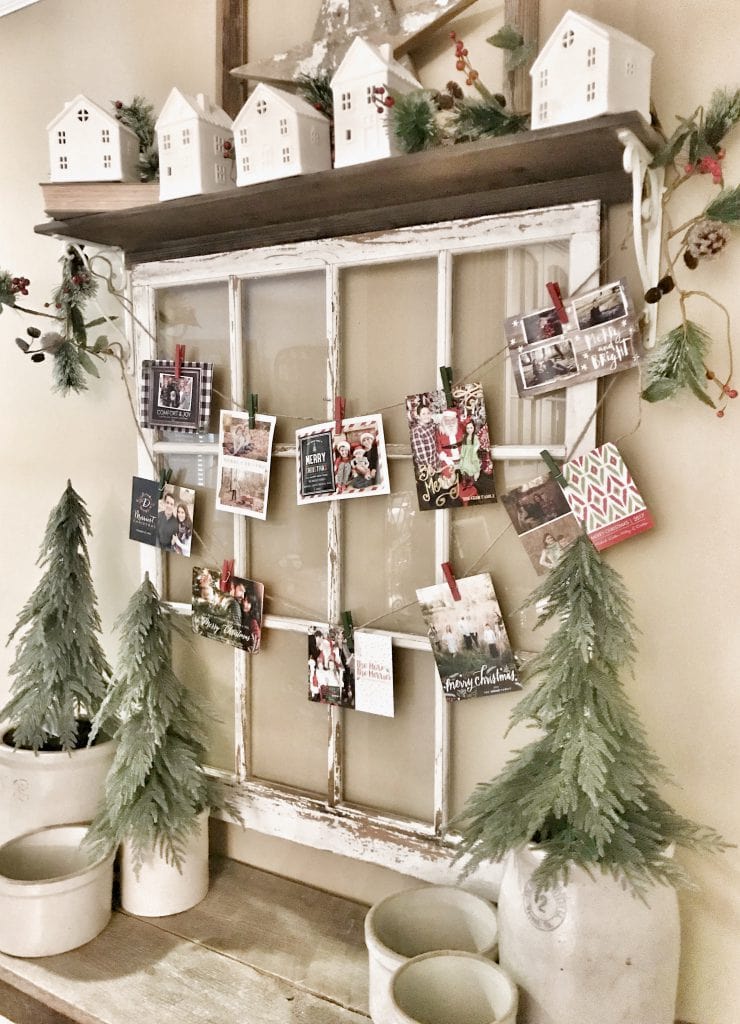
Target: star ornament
[[340, 21]]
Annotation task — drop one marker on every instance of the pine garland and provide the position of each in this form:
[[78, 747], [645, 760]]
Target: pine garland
[[414, 120], [723, 113], [586, 790], [316, 90], [678, 363], [157, 785], [138, 115], [475, 119], [725, 207], [61, 673]]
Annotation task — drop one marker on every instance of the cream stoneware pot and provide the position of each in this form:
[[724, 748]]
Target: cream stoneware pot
[[54, 896], [417, 921], [449, 987], [51, 787], [588, 951], [159, 889]]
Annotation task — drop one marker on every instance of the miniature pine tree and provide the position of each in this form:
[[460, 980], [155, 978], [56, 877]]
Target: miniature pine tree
[[586, 790], [157, 785], [61, 673]]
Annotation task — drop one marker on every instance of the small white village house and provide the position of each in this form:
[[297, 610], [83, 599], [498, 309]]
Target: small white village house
[[86, 143], [360, 132], [277, 135], [585, 69], [191, 131]]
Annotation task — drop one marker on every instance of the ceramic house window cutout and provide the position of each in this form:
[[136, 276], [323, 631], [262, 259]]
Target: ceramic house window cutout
[[279, 135], [97, 147], [192, 125], [361, 133], [166, 142], [589, 68]]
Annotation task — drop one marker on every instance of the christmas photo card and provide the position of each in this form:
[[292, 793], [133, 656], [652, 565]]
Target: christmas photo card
[[175, 402], [601, 336], [331, 667], [346, 463], [450, 448], [233, 614], [543, 520], [164, 521], [468, 637], [244, 463]]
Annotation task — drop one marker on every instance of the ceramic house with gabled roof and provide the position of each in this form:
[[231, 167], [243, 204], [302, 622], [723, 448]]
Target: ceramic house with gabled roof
[[360, 132], [586, 68], [277, 135], [191, 132], [86, 143]]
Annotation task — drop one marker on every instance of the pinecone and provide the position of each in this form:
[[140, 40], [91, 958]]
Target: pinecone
[[707, 239]]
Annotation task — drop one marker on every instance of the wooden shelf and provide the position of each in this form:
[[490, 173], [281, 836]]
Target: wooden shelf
[[548, 167]]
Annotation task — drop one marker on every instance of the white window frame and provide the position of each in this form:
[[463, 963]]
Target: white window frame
[[414, 847]]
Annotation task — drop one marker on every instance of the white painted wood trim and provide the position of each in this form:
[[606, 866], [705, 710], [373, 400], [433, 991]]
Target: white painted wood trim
[[144, 333], [8, 6], [583, 274], [333, 528]]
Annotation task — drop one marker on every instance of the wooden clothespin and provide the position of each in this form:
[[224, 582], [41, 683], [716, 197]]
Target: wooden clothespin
[[179, 358], [165, 475], [338, 415], [349, 630], [252, 410], [451, 581], [555, 471], [227, 571], [556, 297], [445, 373]]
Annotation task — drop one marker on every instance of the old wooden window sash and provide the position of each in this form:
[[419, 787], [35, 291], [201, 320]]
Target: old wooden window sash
[[328, 821]]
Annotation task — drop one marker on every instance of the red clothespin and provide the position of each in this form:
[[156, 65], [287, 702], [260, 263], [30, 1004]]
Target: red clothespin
[[556, 297], [338, 414], [450, 580], [179, 357], [227, 571]]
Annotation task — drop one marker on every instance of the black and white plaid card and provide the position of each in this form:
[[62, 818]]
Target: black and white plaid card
[[175, 403]]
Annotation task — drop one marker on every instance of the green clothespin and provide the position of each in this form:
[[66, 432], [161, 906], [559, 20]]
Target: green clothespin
[[445, 373], [252, 410], [165, 475], [349, 630], [555, 471]]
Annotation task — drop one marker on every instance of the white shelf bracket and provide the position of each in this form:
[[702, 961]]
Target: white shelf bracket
[[647, 219]]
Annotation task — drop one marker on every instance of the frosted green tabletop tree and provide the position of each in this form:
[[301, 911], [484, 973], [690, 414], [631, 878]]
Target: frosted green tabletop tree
[[60, 673]]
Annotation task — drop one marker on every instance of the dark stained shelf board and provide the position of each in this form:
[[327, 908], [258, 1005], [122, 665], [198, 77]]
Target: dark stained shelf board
[[548, 167]]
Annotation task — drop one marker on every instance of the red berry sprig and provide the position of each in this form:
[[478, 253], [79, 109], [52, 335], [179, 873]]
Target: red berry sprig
[[228, 150], [382, 101], [19, 285]]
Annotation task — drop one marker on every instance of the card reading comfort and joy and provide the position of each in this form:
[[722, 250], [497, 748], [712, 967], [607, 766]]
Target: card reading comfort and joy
[[350, 463], [164, 521], [450, 448], [543, 520], [175, 402], [232, 615], [244, 463], [469, 640]]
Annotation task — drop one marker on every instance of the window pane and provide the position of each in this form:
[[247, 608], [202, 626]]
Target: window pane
[[207, 668], [389, 762], [284, 323], [288, 732]]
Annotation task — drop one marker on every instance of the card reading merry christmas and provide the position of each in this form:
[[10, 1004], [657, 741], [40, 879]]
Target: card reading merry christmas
[[601, 336], [450, 448], [373, 673], [244, 463], [469, 640], [331, 667], [175, 402], [604, 498], [542, 517], [164, 521], [350, 463], [233, 614]]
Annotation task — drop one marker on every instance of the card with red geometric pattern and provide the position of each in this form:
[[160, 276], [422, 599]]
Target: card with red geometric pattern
[[603, 497]]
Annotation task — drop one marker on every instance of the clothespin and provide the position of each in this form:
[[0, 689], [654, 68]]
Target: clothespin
[[338, 414], [179, 357], [349, 630], [227, 571], [445, 373], [556, 297], [555, 471], [252, 410], [450, 580], [165, 475]]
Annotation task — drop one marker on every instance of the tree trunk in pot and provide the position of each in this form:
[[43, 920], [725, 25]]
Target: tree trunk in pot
[[158, 889]]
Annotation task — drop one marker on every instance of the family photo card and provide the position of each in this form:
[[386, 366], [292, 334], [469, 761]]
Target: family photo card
[[232, 616], [331, 667], [175, 403], [350, 463], [450, 448], [165, 522], [602, 336], [244, 455], [543, 521], [469, 639]]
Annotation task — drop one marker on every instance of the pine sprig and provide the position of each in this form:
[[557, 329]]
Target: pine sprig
[[725, 207], [723, 113], [138, 115], [678, 363], [475, 119], [585, 791], [414, 121], [316, 90]]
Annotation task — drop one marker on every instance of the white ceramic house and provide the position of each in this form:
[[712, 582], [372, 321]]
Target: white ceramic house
[[86, 143], [277, 135], [586, 68], [360, 132], [191, 132]]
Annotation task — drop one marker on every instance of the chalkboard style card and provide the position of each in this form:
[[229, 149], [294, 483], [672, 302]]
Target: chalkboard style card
[[244, 463], [350, 463], [469, 640]]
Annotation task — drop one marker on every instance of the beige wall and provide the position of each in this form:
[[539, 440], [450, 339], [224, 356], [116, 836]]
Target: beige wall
[[684, 576]]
